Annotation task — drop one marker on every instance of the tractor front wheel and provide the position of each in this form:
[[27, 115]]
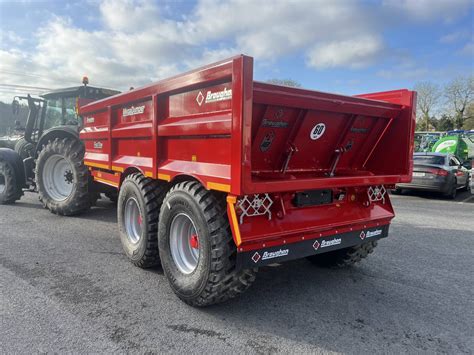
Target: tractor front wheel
[[62, 178], [9, 190]]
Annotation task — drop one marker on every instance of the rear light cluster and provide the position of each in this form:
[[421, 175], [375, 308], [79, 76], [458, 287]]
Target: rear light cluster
[[439, 172]]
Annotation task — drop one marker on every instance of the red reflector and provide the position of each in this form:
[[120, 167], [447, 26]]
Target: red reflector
[[194, 241], [459, 173]]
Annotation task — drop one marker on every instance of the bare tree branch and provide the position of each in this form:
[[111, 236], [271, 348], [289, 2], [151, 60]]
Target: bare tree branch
[[459, 94], [428, 100]]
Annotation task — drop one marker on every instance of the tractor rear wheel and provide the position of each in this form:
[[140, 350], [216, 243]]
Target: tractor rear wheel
[[9, 190], [343, 257], [138, 210], [62, 179], [197, 251]]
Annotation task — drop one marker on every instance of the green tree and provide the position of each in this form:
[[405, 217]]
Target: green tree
[[445, 123]]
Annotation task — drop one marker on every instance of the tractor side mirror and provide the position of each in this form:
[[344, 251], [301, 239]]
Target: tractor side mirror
[[15, 107]]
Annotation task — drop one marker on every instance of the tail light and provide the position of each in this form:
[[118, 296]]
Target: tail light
[[439, 172]]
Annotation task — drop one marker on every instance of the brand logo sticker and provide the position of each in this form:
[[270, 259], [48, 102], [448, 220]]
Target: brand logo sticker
[[223, 95], [275, 254], [316, 245], [317, 131], [200, 98], [267, 141], [374, 233], [269, 255], [89, 119], [274, 124], [256, 257], [130, 111], [330, 243], [98, 145], [369, 234]]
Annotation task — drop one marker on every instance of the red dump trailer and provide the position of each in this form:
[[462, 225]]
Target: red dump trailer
[[219, 174]]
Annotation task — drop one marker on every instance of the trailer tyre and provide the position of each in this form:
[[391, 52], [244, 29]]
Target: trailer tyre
[[197, 251], [138, 209], [344, 257], [9, 190], [62, 178]]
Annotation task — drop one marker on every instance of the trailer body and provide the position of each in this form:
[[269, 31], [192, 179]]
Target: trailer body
[[303, 172]]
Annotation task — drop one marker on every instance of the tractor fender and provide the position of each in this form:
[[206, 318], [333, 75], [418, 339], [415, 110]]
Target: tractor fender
[[14, 159], [57, 132]]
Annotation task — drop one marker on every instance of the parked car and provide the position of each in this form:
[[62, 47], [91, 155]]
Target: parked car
[[438, 172]]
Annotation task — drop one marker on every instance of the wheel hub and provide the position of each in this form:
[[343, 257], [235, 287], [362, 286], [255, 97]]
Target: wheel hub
[[133, 220], [68, 176], [184, 243], [58, 177]]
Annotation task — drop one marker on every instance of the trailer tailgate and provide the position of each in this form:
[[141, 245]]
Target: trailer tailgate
[[305, 139]]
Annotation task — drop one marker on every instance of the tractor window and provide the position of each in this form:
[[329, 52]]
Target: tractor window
[[70, 115], [53, 113], [60, 111]]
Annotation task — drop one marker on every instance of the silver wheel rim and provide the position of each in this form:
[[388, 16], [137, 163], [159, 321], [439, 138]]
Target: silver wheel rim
[[133, 220], [58, 177], [2, 183], [184, 252]]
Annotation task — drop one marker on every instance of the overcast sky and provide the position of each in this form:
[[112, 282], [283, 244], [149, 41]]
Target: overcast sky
[[329, 45]]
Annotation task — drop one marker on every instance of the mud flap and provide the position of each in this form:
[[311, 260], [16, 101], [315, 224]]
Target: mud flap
[[278, 254]]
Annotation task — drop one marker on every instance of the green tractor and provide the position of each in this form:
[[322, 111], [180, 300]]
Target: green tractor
[[48, 156], [459, 143]]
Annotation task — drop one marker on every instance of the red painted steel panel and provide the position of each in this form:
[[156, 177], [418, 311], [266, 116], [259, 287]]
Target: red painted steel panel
[[243, 137]]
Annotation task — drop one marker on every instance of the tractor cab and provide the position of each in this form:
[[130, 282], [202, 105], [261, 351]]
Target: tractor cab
[[58, 109], [40, 158]]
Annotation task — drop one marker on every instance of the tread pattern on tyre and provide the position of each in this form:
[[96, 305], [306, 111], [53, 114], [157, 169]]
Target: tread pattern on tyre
[[224, 281], [12, 193], [80, 201], [153, 193], [344, 257], [24, 149]]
